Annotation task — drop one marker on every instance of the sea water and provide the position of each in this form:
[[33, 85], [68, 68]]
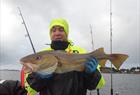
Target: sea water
[[123, 84]]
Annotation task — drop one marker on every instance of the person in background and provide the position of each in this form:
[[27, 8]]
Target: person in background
[[11, 87], [70, 83]]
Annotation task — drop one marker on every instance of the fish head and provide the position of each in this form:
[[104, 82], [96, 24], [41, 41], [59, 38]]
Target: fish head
[[38, 62], [33, 58]]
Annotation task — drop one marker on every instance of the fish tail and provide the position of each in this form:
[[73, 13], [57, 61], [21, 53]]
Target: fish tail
[[117, 59]]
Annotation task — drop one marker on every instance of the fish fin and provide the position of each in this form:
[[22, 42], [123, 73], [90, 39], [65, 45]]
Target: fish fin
[[49, 70], [118, 59], [102, 62], [98, 51]]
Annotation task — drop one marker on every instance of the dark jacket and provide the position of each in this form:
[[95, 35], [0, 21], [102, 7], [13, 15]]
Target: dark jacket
[[71, 83], [12, 87]]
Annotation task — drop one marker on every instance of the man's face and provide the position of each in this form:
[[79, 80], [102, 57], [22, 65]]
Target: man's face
[[58, 33]]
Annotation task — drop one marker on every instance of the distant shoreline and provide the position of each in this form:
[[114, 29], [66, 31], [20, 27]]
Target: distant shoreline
[[101, 72], [8, 70], [120, 73]]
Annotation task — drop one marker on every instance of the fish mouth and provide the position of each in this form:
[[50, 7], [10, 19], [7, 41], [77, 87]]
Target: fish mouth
[[27, 67]]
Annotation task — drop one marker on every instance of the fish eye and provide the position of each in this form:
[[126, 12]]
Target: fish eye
[[38, 58]]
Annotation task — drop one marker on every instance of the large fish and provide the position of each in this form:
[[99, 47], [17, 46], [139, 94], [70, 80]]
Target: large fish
[[61, 61]]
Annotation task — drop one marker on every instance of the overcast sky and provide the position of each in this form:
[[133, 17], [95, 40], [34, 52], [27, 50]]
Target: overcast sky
[[80, 14]]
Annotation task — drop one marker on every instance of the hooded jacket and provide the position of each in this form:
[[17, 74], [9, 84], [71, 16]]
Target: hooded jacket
[[11, 87], [71, 83]]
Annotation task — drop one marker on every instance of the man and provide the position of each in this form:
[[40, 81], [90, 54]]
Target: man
[[71, 83], [11, 87]]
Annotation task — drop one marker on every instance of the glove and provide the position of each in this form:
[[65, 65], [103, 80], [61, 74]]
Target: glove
[[38, 81], [91, 65]]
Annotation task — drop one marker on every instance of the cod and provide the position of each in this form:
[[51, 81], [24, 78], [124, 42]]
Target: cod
[[58, 61]]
